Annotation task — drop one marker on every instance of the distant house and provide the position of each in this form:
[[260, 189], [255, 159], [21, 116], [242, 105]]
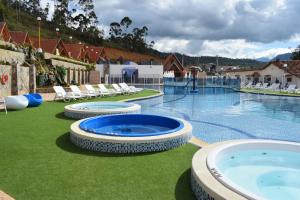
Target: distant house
[[52, 46], [20, 38], [95, 54], [172, 63], [285, 72], [77, 52], [4, 32]]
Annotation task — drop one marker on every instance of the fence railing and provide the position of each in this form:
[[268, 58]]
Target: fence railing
[[209, 81], [152, 79]]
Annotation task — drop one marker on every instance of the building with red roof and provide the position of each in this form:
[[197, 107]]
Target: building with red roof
[[95, 54], [4, 32], [77, 52], [53, 46], [20, 38], [285, 72], [172, 63]]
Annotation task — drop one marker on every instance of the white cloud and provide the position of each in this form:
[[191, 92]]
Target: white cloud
[[171, 45], [233, 28]]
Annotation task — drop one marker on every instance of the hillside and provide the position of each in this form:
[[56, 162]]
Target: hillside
[[25, 22]]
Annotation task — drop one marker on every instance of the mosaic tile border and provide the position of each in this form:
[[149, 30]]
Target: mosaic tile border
[[130, 147], [199, 192]]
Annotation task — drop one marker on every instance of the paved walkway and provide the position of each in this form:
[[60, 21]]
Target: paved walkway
[[4, 196], [48, 96]]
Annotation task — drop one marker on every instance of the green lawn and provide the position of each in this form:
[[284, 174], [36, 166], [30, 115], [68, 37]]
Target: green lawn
[[37, 161], [262, 91]]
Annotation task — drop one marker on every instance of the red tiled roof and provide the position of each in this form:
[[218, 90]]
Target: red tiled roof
[[48, 45], [75, 51], [2, 24], [19, 37], [172, 60], [4, 32], [94, 53]]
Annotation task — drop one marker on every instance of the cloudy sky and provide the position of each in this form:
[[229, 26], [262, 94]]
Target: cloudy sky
[[231, 28]]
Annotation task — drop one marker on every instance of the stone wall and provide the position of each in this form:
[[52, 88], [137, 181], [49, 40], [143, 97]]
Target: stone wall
[[18, 80], [5, 88], [94, 77], [10, 56], [23, 80]]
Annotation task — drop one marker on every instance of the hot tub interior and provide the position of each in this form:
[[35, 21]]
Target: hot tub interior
[[131, 125]]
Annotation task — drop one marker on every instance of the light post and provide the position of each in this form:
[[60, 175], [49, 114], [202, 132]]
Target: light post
[[57, 32], [39, 19], [71, 38]]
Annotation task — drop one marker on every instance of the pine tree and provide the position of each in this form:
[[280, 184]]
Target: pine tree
[[296, 54]]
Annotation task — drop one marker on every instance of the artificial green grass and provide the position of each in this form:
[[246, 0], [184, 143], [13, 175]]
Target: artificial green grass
[[262, 91], [39, 162]]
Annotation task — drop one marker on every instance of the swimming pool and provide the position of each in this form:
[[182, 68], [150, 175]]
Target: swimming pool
[[258, 169], [90, 109], [219, 114], [130, 133], [131, 125]]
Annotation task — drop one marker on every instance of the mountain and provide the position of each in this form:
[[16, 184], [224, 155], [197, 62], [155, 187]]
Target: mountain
[[285, 56], [264, 59]]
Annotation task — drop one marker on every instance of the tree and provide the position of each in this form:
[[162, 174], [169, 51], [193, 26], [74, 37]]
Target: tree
[[62, 15], [115, 32], [296, 54]]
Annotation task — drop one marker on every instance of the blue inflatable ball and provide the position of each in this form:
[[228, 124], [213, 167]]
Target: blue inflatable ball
[[34, 99]]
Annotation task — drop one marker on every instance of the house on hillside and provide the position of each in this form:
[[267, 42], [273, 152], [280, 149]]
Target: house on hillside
[[285, 72], [95, 54], [52, 46], [172, 63], [4, 32], [77, 52], [20, 38]]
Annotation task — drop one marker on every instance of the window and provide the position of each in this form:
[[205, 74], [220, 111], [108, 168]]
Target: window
[[289, 79]]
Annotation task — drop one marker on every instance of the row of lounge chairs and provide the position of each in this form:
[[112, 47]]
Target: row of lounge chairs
[[291, 88], [90, 91]]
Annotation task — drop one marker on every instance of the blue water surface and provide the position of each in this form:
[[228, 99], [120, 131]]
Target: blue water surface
[[267, 173], [219, 114]]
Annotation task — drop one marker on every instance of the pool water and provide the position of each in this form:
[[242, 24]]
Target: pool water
[[101, 105], [219, 114], [131, 125], [270, 174], [130, 129]]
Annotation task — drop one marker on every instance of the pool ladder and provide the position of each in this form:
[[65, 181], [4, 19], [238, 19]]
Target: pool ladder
[[215, 173]]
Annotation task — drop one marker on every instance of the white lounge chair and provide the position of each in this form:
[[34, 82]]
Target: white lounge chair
[[274, 86], [291, 88], [61, 94], [118, 89], [133, 87], [91, 90], [257, 86], [19, 102], [3, 103], [103, 90], [264, 86], [76, 91], [249, 85], [126, 89]]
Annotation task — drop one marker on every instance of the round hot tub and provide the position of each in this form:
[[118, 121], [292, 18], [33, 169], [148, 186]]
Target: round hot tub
[[250, 169], [130, 133], [91, 109]]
